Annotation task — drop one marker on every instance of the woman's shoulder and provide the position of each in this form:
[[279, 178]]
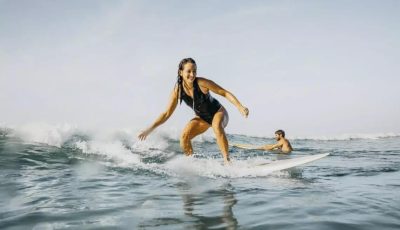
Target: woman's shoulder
[[203, 80], [204, 84]]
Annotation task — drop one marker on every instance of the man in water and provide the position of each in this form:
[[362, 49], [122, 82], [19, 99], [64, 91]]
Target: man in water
[[282, 145]]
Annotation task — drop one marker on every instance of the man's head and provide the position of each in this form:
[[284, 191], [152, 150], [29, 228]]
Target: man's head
[[279, 134]]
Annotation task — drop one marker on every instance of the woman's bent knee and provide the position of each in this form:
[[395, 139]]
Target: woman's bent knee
[[219, 131]]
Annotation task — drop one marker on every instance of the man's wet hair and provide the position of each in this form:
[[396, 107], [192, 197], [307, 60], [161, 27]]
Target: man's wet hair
[[280, 132]]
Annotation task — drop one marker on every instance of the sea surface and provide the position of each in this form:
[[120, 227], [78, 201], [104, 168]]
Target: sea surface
[[62, 178]]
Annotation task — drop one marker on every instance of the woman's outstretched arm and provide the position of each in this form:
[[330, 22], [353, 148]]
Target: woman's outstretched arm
[[225, 93], [173, 101]]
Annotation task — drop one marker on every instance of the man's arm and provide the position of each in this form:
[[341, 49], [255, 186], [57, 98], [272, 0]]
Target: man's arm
[[250, 147], [264, 147], [272, 147]]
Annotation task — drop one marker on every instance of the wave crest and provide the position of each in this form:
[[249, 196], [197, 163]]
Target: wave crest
[[345, 137]]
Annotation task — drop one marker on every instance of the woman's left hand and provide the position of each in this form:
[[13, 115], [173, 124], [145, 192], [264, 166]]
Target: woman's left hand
[[244, 111]]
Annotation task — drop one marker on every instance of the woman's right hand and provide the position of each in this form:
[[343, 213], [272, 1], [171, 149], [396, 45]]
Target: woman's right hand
[[244, 111], [142, 136]]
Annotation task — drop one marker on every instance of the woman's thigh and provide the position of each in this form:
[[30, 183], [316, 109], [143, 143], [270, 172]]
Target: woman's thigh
[[220, 119], [195, 127]]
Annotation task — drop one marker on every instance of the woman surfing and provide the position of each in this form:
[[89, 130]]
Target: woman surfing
[[195, 92]]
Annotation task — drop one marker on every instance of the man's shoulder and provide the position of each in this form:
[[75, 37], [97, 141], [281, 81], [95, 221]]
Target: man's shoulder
[[285, 140]]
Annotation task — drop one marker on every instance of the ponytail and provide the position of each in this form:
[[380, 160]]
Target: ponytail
[[179, 83]]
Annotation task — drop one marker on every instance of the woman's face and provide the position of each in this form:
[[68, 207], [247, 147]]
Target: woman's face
[[189, 72]]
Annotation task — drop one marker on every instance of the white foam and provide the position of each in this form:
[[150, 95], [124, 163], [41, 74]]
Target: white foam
[[5, 130], [121, 147], [117, 155], [54, 135], [112, 150], [155, 141]]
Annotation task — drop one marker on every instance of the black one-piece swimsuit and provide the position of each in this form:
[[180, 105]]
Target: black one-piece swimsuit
[[204, 105]]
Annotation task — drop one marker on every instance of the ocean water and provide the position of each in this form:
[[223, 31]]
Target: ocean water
[[60, 177]]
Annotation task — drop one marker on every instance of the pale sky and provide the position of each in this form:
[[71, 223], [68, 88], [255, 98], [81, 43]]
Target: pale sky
[[308, 67]]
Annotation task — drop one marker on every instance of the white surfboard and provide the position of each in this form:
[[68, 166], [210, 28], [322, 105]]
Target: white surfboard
[[288, 163]]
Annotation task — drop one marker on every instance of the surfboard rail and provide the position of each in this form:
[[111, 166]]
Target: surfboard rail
[[289, 163]]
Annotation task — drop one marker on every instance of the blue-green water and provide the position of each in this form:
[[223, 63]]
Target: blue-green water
[[84, 182]]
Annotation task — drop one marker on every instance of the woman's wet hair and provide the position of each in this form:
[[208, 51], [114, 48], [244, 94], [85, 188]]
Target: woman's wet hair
[[183, 62], [179, 80], [280, 132]]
